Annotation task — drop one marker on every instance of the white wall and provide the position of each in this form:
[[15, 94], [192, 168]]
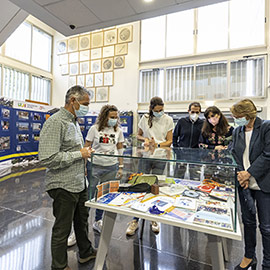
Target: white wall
[[124, 92]]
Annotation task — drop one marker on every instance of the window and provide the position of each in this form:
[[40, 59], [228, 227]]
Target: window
[[30, 45], [212, 28], [42, 42], [18, 45], [151, 84], [41, 89], [247, 20], [211, 81], [180, 36], [153, 38], [247, 78], [179, 83], [16, 84]]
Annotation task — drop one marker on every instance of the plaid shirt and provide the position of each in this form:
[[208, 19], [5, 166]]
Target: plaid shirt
[[59, 150]]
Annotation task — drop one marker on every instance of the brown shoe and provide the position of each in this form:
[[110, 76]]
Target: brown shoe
[[87, 259]]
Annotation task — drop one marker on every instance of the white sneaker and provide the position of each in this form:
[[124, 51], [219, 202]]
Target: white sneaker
[[71, 240], [155, 227], [97, 226], [132, 228]]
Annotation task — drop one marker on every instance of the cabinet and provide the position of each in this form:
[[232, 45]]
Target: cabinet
[[196, 191]]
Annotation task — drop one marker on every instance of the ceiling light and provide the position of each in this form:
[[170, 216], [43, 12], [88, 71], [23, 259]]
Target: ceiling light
[[148, 1]]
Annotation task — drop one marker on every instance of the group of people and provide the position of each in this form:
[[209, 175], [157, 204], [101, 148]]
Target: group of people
[[65, 155]]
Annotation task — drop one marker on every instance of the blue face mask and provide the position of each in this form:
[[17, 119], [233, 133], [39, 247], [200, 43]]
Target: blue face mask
[[241, 121], [158, 114], [83, 110], [112, 122]]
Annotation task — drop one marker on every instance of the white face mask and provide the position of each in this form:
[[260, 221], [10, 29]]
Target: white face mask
[[194, 117]]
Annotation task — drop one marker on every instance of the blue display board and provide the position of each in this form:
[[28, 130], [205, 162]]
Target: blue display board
[[19, 132]]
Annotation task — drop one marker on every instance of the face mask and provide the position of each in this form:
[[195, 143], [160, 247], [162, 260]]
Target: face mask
[[194, 117], [213, 120], [83, 110], [158, 114], [241, 121], [112, 122]]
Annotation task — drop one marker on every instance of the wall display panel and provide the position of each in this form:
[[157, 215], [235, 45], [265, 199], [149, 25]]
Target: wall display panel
[[96, 53], [110, 37], [119, 62], [98, 79], [80, 80], [97, 40], [121, 49], [102, 94], [95, 66], [73, 44], [108, 78], [84, 67], [74, 69], [107, 64], [61, 47], [89, 80], [73, 57], [125, 34], [84, 55], [84, 42], [107, 51], [92, 92]]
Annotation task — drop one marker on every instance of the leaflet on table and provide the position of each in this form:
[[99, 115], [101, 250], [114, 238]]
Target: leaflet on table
[[182, 214], [213, 216], [162, 202], [185, 202], [126, 197], [222, 193]]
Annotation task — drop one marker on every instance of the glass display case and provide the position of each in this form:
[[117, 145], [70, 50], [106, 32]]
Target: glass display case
[[192, 186]]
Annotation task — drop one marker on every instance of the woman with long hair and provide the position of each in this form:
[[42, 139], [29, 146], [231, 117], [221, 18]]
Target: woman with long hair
[[216, 131], [251, 150], [155, 130]]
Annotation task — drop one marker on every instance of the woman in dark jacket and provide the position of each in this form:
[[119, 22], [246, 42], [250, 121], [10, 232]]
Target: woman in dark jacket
[[251, 150], [216, 131]]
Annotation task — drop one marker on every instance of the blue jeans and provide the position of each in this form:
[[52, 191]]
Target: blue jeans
[[262, 200], [100, 174], [150, 166]]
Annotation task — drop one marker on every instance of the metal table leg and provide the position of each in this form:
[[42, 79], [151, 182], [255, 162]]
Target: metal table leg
[[216, 250], [105, 237]]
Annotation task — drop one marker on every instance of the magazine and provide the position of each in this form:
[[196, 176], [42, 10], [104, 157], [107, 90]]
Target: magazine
[[185, 202], [182, 214]]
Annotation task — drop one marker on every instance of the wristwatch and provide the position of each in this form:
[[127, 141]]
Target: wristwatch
[[158, 145]]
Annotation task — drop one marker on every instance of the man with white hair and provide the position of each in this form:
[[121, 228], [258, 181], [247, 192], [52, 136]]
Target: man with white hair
[[61, 151]]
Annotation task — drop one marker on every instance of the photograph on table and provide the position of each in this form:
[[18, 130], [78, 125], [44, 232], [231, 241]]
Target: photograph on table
[[5, 113], [89, 80], [98, 79], [5, 125], [63, 59], [82, 128], [121, 49], [36, 126], [72, 81], [107, 51], [84, 67], [96, 53], [80, 120], [84, 55], [23, 138], [84, 42], [97, 40], [89, 121], [36, 116], [102, 94], [107, 64], [119, 61], [125, 34], [80, 80], [95, 66], [73, 57], [64, 69], [74, 69], [61, 47], [73, 44], [23, 115], [22, 126], [110, 37], [92, 92], [108, 78], [4, 143]]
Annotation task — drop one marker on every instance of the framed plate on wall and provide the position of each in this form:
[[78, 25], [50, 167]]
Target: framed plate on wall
[[107, 64], [110, 37], [89, 80], [61, 47], [108, 78], [97, 40], [84, 42], [121, 49], [102, 94], [125, 34], [73, 44], [119, 61]]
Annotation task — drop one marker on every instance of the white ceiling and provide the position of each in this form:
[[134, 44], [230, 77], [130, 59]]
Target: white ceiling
[[88, 15]]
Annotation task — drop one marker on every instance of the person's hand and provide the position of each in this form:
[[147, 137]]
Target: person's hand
[[152, 142], [220, 147], [119, 173], [146, 142], [86, 152], [243, 178]]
